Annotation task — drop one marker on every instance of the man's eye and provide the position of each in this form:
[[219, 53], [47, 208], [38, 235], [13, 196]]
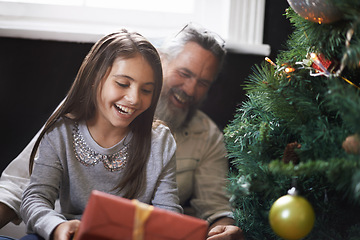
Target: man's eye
[[184, 75], [204, 83]]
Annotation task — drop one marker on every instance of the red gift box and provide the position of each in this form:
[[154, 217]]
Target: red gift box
[[114, 218]]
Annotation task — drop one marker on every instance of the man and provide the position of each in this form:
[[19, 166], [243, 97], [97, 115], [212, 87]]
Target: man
[[191, 61]]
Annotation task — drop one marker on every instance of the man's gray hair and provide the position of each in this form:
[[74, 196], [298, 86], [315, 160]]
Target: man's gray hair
[[194, 33]]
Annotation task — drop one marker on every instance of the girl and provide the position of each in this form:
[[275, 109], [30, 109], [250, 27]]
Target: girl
[[102, 137]]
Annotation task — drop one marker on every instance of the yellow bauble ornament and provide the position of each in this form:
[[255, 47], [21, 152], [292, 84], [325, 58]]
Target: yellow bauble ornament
[[291, 217]]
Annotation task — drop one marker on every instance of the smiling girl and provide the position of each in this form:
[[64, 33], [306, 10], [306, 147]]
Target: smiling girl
[[102, 137]]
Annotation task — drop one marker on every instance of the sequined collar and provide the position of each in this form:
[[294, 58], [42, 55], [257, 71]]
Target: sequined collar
[[89, 157]]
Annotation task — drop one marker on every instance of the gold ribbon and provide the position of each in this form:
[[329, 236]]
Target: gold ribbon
[[142, 213]]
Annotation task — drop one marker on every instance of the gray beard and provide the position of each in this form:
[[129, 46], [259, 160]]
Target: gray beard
[[176, 118]]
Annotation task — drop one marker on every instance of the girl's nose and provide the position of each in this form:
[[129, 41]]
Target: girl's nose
[[133, 96]]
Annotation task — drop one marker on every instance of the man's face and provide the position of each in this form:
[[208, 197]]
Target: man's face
[[187, 79]]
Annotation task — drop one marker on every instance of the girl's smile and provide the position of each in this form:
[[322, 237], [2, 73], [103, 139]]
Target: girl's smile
[[125, 110]]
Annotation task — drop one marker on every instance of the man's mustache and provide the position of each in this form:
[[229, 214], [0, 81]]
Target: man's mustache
[[182, 95]]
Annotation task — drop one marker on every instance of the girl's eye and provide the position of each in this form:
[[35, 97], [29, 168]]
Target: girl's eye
[[122, 84], [147, 91]]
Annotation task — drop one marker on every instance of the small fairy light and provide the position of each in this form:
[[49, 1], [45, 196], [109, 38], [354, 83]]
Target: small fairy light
[[269, 61], [319, 20], [314, 57], [283, 67], [289, 69]]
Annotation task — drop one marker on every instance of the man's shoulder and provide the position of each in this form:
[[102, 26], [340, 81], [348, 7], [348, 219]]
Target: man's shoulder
[[161, 134], [202, 121], [160, 128]]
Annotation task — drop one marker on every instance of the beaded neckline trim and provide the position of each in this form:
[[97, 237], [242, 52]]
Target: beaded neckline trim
[[89, 157]]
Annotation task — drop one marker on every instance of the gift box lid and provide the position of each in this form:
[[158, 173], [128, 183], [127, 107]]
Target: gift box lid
[[111, 217]]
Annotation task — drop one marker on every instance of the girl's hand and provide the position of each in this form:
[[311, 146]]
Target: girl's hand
[[65, 230]]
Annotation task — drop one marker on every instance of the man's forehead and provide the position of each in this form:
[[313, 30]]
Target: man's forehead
[[196, 59], [195, 47]]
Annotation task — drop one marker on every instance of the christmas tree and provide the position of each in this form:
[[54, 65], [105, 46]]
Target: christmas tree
[[300, 126]]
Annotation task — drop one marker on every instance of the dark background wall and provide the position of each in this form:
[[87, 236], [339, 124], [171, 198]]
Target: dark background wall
[[35, 76]]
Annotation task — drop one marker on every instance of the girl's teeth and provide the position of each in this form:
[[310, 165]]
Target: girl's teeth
[[126, 110]]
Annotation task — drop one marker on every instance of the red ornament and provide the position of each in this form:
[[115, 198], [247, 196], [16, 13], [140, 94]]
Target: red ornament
[[321, 60]]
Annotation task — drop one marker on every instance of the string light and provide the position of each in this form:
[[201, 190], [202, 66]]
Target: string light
[[269, 61], [289, 69], [305, 65]]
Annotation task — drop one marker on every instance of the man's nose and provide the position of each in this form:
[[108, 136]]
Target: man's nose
[[190, 86]]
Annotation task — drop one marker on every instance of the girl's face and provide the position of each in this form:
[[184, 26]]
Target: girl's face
[[125, 92]]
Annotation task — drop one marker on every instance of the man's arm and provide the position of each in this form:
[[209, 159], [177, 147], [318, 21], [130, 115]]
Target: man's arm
[[6, 214], [210, 195], [13, 181], [210, 198]]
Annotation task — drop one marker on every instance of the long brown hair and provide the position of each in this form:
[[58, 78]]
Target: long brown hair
[[81, 102]]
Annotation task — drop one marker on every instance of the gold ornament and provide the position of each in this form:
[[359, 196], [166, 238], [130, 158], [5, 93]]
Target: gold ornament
[[291, 217], [352, 144], [319, 11]]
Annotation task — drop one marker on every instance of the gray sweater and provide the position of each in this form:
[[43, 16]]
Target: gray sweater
[[71, 164]]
